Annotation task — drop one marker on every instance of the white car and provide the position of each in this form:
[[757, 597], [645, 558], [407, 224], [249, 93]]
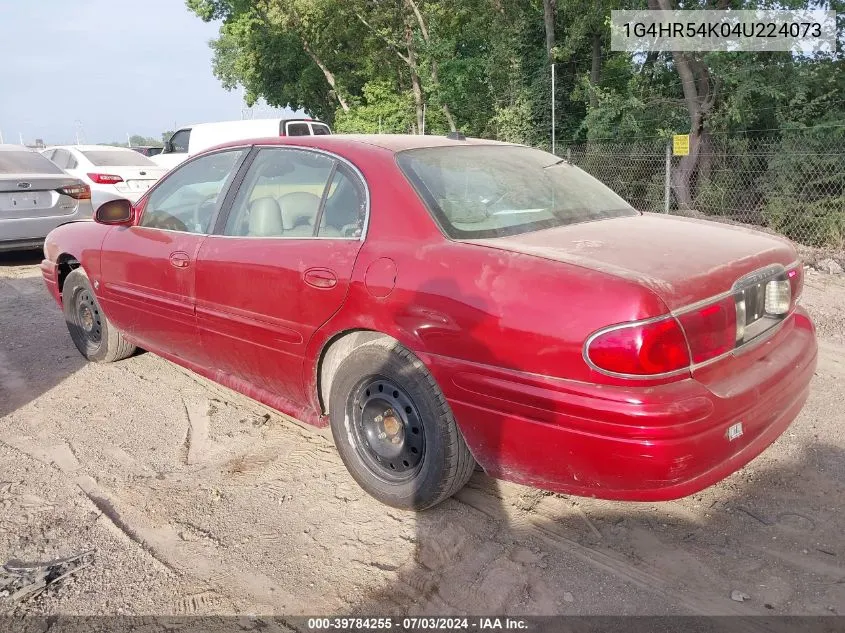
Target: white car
[[111, 172], [187, 141]]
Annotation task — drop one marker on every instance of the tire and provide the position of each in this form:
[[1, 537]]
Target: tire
[[90, 330], [413, 461]]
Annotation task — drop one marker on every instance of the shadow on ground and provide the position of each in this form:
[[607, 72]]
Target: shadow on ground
[[36, 353]]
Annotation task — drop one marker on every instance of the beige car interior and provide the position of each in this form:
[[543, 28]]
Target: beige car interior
[[293, 214]]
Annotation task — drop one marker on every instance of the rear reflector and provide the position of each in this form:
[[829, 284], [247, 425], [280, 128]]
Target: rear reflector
[[105, 179], [644, 349], [77, 192]]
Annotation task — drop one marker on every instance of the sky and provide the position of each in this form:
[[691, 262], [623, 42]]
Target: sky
[[107, 68]]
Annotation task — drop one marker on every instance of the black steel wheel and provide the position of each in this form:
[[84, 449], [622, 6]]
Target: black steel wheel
[[388, 432], [88, 318], [89, 328], [394, 429]]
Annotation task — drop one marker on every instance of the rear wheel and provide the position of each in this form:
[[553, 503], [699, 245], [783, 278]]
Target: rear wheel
[[92, 333], [394, 430]]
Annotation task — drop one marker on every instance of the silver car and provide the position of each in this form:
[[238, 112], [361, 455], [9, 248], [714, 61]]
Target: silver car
[[36, 197]]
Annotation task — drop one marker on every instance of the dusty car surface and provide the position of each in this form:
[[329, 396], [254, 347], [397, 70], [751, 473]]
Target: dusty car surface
[[443, 301]]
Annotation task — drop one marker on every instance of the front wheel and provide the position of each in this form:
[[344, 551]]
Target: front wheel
[[394, 429], [92, 333]]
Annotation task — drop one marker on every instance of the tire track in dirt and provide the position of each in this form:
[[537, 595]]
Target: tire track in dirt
[[187, 558]]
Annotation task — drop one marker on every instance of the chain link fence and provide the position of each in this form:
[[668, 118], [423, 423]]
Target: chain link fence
[[792, 183]]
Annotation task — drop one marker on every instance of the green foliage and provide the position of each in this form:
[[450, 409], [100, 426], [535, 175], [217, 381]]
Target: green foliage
[[381, 109], [137, 140], [805, 193], [370, 65]]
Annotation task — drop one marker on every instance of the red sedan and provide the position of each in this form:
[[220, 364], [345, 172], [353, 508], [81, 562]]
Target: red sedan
[[442, 302]]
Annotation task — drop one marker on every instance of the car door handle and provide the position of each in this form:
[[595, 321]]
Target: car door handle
[[320, 278], [180, 259]]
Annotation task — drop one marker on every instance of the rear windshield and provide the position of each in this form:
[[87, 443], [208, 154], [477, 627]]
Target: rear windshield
[[13, 162], [481, 191], [118, 158]]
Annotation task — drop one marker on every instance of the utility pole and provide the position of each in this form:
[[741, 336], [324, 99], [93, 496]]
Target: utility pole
[[423, 121], [128, 140], [553, 107], [1, 137], [20, 136]]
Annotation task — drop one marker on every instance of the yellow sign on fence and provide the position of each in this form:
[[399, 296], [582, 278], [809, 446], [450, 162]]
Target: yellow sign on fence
[[680, 145]]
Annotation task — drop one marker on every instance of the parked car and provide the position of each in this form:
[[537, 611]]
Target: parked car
[[193, 139], [147, 150], [36, 197], [443, 301], [111, 172]]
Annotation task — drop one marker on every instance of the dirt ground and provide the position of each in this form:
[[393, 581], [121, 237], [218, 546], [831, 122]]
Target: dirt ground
[[200, 501]]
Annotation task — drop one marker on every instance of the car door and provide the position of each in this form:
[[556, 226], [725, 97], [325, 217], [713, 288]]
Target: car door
[[279, 264], [148, 270]]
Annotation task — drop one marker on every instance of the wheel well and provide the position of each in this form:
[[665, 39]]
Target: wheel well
[[334, 352], [66, 264]]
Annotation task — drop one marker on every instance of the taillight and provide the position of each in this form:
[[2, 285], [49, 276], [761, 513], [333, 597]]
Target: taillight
[[712, 329], [640, 349], [77, 192], [105, 179]]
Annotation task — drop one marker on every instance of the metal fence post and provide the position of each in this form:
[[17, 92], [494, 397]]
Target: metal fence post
[[568, 155], [667, 189]]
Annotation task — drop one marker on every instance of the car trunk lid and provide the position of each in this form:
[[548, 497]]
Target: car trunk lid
[[35, 195], [682, 260]]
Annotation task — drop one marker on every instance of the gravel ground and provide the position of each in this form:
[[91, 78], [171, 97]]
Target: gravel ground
[[199, 501]]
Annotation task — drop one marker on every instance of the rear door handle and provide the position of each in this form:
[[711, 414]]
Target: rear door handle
[[180, 259], [322, 278]]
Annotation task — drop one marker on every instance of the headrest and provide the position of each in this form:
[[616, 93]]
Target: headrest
[[265, 218], [298, 208]]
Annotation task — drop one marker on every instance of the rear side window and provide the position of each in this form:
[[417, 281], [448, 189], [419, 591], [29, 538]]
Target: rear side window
[[483, 191], [320, 129], [298, 129], [14, 162], [118, 158]]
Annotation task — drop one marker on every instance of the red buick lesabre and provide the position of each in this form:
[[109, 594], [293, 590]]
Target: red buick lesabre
[[442, 302]]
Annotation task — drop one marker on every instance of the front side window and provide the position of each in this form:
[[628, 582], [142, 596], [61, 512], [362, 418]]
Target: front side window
[[188, 199], [483, 191], [179, 142], [320, 129]]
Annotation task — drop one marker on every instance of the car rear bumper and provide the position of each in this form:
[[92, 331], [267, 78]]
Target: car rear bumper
[[26, 233], [629, 443]]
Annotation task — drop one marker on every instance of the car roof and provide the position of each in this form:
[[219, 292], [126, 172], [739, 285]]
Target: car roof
[[391, 142], [11, 147], [88, 148]]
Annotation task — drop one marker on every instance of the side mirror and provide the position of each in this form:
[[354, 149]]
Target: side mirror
[[168, 148], [114, 212]]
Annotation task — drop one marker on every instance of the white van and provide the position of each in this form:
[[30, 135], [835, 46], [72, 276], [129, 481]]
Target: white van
[[193, 139]]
